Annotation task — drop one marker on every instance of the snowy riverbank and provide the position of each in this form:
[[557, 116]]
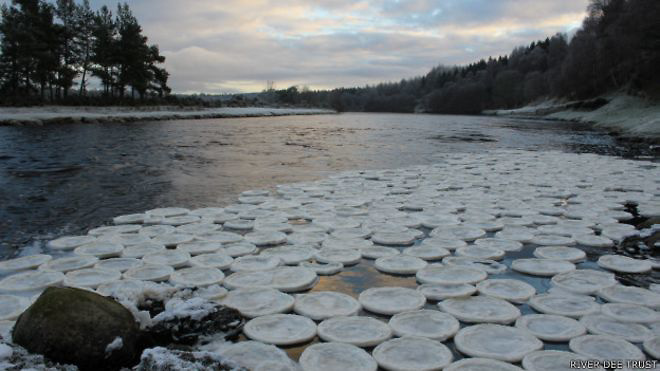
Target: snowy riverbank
[[59, 114], [629, 116]]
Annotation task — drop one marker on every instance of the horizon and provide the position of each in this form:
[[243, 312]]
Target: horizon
[[238, 47]]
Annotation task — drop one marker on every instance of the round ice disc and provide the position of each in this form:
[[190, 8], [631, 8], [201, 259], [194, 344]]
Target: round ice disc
[[515, 235], [449, 244], [434, 291], [197, 228], [599, 324], [631, 295], [336, 357], [284, 278], [239, 249], [574, 306], [584, 281], [91, 277], [485, 265], [172, 258], [542, 267], [460, 232], [480, 252], [115, 229], [138, 251], [507, 289], [129, 219], [100, 249], [150, 272], [12, 306], [552, 240], [548, 327], [353, 243], [481, 364], [425, 323], [448, 274], [173, 239], [412, 353], [290, 254], [255, 302], [125, 239], [652, 347], [155, 230], [480, 309], [427, 252], [498, 243], [553, 360], [375, 252], [239, 225], [394, 238], [630, 313], [400, 264], [321, 305], [23, 263], [603, 347], [197, 277], [323, 269], [69, 263], [252, 354], [391, 300], [255, 263], [624, 264], [225, 238], [119, 264], [498, 342], [593, 240], [215, 260], [70, 242], [570, 254], [261, 238], [280, 329], [344, 256], [199, 247], [355, 330]]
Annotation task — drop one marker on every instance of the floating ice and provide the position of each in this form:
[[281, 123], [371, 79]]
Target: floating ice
[[355, 330], [280, 329], [425, 323], [24, 263], [100, 249], [174, 258], [150, 272], [481, 364], [508, 289], [197, 277], [480, 309], [290, 255], [199, 247], [574, 306], [12, 306], [480, 252], [542, 267], [91, 277], [434, 291], [119, 264], [70, 242], [336, 357], [570, 254], [630, 313], [321, 305], [344, 256], [624, 264], [631, 295], [412, 353], [391, 300], [323, 269], [251, 263], [448, 274], [400, 264], [602, 347], [584, 281], [604, 325], [498, 342], [553, 360], [287, 279], [498, 243], [548, 327], [255, 302]]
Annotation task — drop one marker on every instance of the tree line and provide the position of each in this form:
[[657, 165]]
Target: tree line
[[617, 48], [49, 51]]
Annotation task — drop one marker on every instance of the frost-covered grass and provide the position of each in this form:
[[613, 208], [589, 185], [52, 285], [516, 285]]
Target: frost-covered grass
[[630, 116]]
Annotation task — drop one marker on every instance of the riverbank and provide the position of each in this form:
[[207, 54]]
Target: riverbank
[[624, 115], [61, 115]]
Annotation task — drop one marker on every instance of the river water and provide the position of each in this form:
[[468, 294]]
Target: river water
[[66, 179]]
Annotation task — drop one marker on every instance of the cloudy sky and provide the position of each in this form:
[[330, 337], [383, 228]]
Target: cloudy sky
[[218, 46]]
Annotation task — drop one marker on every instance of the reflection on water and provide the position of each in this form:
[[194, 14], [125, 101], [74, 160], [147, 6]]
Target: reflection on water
[[66, 179]]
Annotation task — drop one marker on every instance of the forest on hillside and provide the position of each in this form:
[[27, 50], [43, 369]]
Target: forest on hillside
[[49, 52], [617, 48]]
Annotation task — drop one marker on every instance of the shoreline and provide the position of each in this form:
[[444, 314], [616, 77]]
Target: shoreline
[[627, 117], [48, 115]]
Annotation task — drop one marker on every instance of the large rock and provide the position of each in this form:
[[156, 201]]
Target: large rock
[[79, 327]]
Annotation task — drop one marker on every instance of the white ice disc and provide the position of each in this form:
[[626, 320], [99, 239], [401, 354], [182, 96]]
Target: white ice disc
[[459, 232], [173, 239], [481, 364], [12, 306], [100, 249], [499, 243], [570, 254], [574, 306], [70, 242], [553, 360], [280, 329], [599, 324], [91, 277], [215, 260], [197, 277], [548, 327], [323, 269], [630, 313], [426, 323], [284, 278], [427, 252], [507, 289], [30, 280], [603, 347], [23, 263], [199, 247], [542, 267], [166, 212], [652, 347], [631, 295], [252, 354], [138, 251], [251, 263], [624, 264], [290, 254], [255, 302], [552, 240], [321, 305], [125, 239], [480, 309], [391, 300], [355, 330], [593, 240], [150, 272], [155, 230], [119, 264], [498, 342], [394, 238], [434, 291], [261, 238], [353, 243], [449, 244], [412, 353], [225, 238], [488, 266], [375, 252], [239, 249], [344, 256], [172, 258], [449, 274], [400, 264], [69, 263], [336, 357], [584, 281], [480, 252]]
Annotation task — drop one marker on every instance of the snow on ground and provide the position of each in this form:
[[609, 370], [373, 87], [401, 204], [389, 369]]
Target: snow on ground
[[37, 115], [630, 116]]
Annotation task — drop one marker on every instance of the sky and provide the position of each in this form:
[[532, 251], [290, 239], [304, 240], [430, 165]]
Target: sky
[[229, 46]]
